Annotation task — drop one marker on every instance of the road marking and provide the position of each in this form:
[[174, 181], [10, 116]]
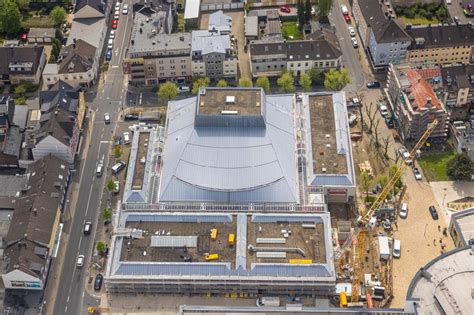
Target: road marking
[[68, 298], [79, 246], [89, 199], [83, 292], [101, 136], [115, 66], [105, 141], [140, 102], [65, 309]]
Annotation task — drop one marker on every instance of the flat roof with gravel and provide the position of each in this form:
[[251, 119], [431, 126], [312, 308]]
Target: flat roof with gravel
[[243, 102]]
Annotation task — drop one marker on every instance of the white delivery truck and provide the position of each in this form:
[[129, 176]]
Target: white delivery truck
[[269, 301], [384, 248]]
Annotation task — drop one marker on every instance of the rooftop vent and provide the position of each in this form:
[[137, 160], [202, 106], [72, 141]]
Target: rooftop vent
[[230, 99], [229, 112], [323, 170]]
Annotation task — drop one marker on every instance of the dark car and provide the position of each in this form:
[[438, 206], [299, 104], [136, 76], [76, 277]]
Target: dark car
[[373, 85], [131, 117], [108, 55], [433, 212], [118, 140], [98, 282]]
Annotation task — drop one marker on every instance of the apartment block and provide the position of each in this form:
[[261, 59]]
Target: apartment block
[[415, 102]]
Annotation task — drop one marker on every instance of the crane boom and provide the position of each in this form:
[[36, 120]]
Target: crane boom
[[399, 172]]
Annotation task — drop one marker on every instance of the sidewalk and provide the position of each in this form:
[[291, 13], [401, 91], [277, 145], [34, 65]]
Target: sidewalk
[[57, 263]]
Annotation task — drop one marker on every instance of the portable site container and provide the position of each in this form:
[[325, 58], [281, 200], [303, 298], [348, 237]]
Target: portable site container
[[213, 234], [301, 261], [211, 257], [231, 240], [384, 248]]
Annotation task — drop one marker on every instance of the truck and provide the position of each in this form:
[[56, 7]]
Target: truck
[[384, 248], [268, 301], [344, 10]]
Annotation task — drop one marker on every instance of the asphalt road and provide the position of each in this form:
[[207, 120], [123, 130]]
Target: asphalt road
[[350, 55], [71, 296], [455, 9]]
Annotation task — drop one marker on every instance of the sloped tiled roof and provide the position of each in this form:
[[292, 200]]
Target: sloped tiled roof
[[443, 35], [422, 90], [58, 123], [77, 57], [20, 54]]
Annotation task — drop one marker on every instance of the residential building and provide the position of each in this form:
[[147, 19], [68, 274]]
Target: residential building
[[192, 15], [460, 227], [21, 63], [33, 236], [10, 135], [383, 37], [77, 65], [441, 44], [41, 35], [154, 54], [462, 135], [270, 57], [458, 83], [60, 124], [213, 55], [415, 103], [220, 23]]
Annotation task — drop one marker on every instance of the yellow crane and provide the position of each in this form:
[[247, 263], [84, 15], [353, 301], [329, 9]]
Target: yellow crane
[[363, 220]]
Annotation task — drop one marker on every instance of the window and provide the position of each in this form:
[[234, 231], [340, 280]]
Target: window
[[160, 62], [299, 64], [48, 79], [183, 73], [306, 64], [257, 67]]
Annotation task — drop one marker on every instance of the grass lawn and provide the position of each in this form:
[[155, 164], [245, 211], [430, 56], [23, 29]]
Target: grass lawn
[[291, 29], [434, 165], [36, 21], [419, 20]]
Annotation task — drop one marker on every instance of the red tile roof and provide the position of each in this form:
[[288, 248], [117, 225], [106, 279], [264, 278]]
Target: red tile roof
[[422, 90], [428, 73]]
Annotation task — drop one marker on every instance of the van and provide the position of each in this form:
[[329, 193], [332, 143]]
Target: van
[[99, 170], [210, 257], [404, 210], [120, 165], [126, 138], [396, 248]]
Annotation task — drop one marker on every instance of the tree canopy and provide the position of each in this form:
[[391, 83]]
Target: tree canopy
[[10, 17], [168, 91], [286, 82], [264, 83], [460, 167], [306, 82], [335, 80], [324, 7], [58, 15], [221, 83], [244, 82], [199, 83]]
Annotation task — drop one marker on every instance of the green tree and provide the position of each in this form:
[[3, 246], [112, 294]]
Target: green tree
[[221, 83], [101, 247], [200, 82], [286, 82], [366, 182], [264, 83], [10, 17], [55, 50], [167, 91], [20, 90], [58, 16], [23, 4], [118, 151], [441, 13], [382, 180], [306, 82], [317, 76], [335, 80], [301, 14], [107, 214], [460, 167], [110, 185], [324, 7], [244, 82], [307, 11]]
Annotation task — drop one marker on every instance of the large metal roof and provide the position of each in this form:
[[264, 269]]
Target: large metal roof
[[230, 163]]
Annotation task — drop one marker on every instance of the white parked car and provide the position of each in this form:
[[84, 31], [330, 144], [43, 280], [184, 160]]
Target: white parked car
[[112, 34], [117, 6], [80, 261], [396, 248], [405, 155], [384, 110], [417, 173], [125, 9], [117, 14], [404, 210], [351, 31], [110, 43], [107, 118], [184, 89], [355, 44]]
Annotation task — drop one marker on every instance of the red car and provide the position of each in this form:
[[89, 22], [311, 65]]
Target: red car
[[114, 24], [347, 18], [285, 9]]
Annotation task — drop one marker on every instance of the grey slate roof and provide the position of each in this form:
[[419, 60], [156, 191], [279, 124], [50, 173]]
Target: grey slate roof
[[458, 77], [77, 57], [42, 32], [385, 29], [18, 55], [96, 4], [220, 22], [442, 35], [230, 164], [61, 94], [208, 43]]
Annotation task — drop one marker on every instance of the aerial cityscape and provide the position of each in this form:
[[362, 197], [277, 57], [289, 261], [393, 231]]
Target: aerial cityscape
[[236, 157]]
